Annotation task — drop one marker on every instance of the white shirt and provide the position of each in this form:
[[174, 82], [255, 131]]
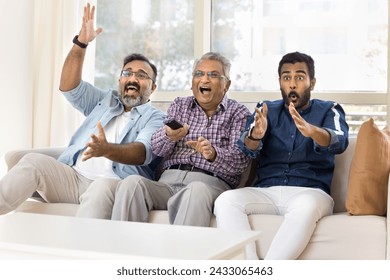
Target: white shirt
[[99, 167]]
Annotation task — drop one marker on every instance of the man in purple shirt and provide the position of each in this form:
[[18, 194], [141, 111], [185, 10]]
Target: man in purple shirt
[[201, 156]]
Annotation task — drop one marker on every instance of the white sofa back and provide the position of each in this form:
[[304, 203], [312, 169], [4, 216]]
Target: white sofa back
[[339, 185]]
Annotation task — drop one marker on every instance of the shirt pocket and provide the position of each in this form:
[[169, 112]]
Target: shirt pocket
[[223, 137]]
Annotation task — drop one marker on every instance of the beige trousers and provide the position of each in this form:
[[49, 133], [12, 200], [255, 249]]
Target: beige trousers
[[188, 196], [53, 180]]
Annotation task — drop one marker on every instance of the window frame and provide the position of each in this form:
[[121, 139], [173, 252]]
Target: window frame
[[202, 44]]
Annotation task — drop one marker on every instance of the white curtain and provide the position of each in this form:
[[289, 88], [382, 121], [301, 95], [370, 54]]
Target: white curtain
[[15, 74], [36, 37], [55, 24]]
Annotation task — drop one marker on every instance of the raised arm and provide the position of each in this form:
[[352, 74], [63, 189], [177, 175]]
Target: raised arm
[[73, 65]]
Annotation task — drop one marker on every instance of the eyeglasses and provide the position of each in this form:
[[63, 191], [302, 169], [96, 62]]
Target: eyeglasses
[[141, 75], [211, 75]]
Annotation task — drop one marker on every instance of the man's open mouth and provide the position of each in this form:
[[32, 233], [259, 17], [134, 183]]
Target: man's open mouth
[[293, 96], [204, 89], [131, 87]]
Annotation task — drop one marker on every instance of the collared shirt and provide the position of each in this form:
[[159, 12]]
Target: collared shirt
[[222, 129], [98, 105], [287, 158]]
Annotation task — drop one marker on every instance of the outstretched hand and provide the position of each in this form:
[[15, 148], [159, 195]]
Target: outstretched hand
[[203, 146], [303, 126], [260, 122], [98, 145], [88, 32], [319, 135]]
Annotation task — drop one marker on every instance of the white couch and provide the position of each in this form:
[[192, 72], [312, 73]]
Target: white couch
[[339, 236]]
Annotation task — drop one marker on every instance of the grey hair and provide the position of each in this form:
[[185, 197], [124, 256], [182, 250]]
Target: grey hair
[[217, 57]]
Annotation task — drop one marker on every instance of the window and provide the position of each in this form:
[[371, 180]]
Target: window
[[348, 40], [161, 30]]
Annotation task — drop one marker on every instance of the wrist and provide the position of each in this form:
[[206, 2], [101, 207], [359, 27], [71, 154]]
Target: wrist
[[78, 43], [251, 137]]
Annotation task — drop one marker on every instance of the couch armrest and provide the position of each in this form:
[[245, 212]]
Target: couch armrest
[[12, 157]]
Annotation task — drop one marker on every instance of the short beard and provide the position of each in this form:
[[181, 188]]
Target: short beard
[[130, 102], [302, 101]]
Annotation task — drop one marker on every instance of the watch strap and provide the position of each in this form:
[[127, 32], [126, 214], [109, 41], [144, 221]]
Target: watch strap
[[78, 43], [251, 137]]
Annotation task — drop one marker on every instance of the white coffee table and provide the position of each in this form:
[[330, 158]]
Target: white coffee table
[[41, 236]]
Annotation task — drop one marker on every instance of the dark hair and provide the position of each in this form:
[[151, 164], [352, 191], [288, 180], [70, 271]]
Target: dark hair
[[137, 56], [217, 57], [298, 57]]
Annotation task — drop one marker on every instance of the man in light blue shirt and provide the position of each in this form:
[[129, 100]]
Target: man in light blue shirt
[[141, 122], [113, 142]]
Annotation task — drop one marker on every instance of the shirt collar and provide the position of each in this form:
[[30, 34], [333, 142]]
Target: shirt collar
[[221, 106], [304, 111], [141, 109]]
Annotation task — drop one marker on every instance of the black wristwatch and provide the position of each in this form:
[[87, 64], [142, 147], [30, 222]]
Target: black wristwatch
[[78, 43], [251, 137]]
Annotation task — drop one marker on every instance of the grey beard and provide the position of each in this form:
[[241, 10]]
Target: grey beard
[[129, 102]]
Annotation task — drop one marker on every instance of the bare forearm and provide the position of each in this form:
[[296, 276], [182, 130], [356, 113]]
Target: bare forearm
[[72, 69], [320, 136], [132, 153]]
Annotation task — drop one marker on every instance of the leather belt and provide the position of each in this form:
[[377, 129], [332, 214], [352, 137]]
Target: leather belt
[[190, 167]]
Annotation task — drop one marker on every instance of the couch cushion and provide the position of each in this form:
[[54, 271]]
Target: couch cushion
[[62, 209], [267, 224], [338, 236], [368, 175], [345, 237], [158, 217]]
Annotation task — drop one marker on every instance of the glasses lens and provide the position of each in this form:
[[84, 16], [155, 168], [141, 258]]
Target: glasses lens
[[198, 74], [141, 75], [126, 73], [213, 75]]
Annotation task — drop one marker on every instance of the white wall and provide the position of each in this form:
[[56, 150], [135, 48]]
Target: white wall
[[15, 74]]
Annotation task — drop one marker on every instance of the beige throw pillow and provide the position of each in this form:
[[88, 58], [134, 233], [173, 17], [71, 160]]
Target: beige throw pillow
[[369, 172]]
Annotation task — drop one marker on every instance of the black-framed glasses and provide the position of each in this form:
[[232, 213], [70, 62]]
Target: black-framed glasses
[[141, 75], [210, 74]]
